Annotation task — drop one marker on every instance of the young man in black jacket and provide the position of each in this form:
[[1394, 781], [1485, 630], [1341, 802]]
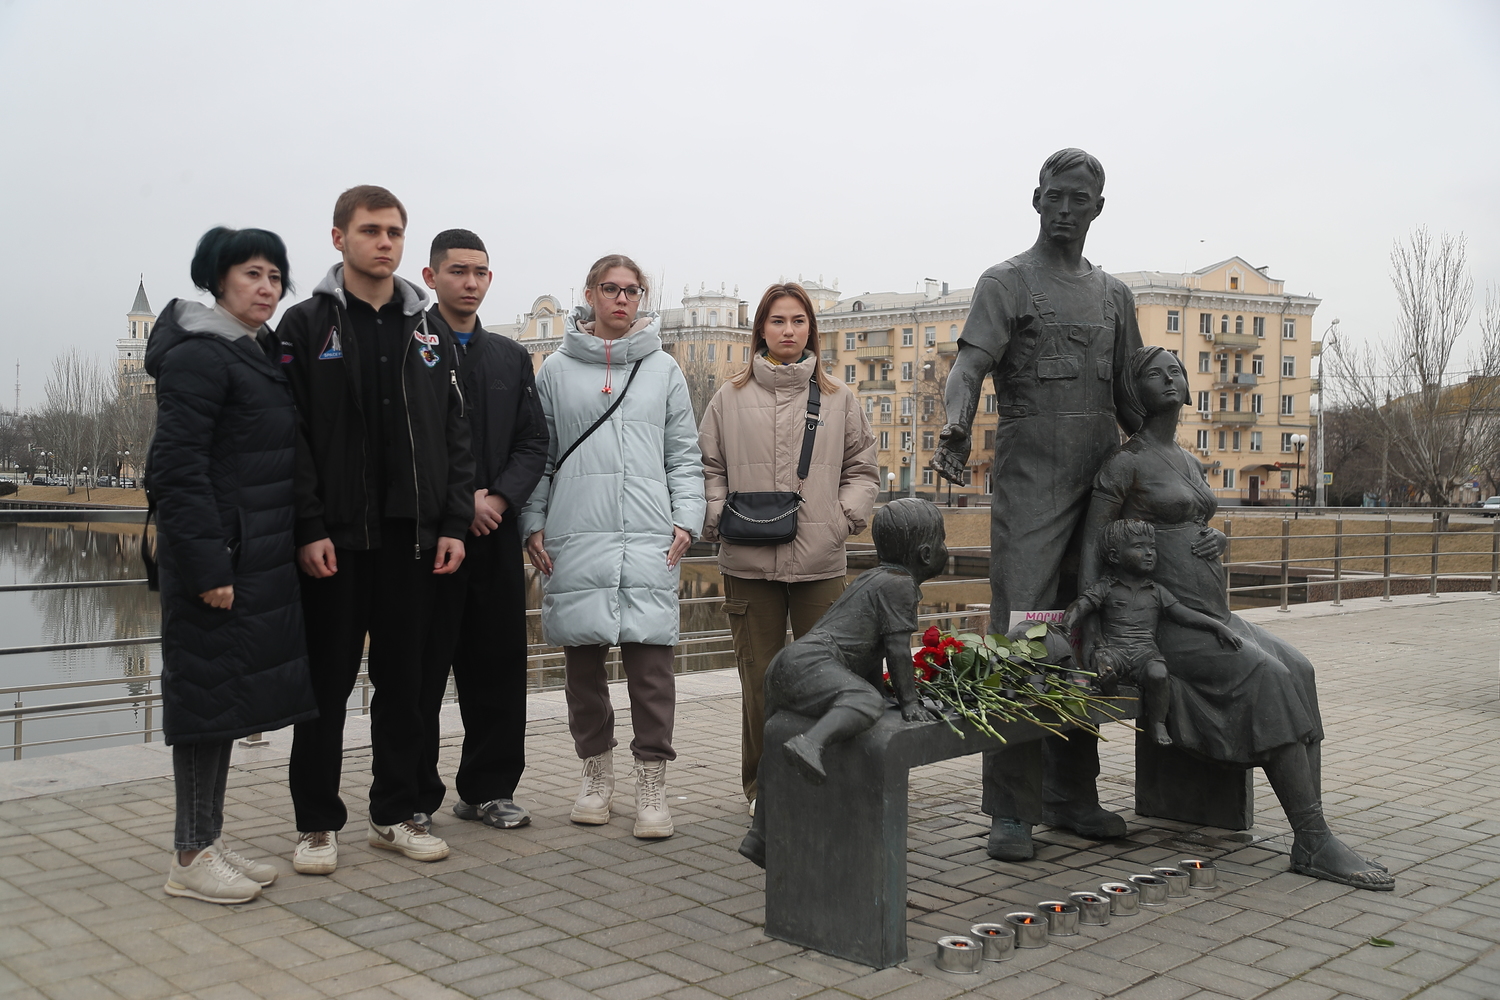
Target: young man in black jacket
[[384, 499], [479, 622]]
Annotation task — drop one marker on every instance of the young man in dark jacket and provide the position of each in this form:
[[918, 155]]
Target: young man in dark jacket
[[384, 499], [479, 623]]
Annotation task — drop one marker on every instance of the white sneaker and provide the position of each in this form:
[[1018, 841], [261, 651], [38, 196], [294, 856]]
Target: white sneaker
[[597, 791], [752, 808], [410, 839], [259, 872], [652, 818], [211, 879], [317, 852]]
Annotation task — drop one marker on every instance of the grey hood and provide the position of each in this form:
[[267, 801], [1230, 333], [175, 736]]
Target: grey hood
[[579, 341], [195, 317], [413, 299]]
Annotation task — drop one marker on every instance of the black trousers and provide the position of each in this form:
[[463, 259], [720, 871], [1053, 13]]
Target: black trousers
[[385, 593], [479, 627]]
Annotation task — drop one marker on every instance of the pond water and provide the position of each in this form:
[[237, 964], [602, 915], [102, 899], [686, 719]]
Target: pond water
[[57, 553]]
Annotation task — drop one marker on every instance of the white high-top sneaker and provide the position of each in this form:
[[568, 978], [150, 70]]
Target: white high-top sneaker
[[597, 791], [652, 818]]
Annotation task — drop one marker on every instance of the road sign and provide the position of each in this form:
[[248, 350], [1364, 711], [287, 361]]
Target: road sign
[[1327, 479]]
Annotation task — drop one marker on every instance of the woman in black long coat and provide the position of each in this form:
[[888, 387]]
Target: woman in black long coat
[[220, 474]]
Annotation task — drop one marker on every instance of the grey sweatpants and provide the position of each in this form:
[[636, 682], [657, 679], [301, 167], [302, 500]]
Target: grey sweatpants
[[653, 699]]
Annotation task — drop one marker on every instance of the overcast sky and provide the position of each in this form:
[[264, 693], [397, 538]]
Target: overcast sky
[[871, 142]]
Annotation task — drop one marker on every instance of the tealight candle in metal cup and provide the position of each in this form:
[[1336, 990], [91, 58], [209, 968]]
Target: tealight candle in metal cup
[[1201, 874], [1093, 909], [1177, 880], [999, 941], [956, 953], [1062, 917], [1123, 898], [1029, 928], [1153, 890]]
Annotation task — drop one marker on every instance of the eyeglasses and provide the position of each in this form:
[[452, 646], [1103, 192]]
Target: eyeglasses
[[612, 290]]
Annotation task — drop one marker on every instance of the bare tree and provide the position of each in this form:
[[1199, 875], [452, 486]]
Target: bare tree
[[703, 376], [135, 423], [1435, 414], [74, 425]]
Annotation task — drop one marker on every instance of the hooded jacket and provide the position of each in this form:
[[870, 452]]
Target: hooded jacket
[[220, 467], [609, 512], [507, 430], [431, 464], [751, 437]]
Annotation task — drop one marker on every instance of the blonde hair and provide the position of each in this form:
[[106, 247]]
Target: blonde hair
[[792, 290]]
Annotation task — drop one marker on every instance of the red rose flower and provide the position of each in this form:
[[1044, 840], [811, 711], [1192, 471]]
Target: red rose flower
[[931, 636]]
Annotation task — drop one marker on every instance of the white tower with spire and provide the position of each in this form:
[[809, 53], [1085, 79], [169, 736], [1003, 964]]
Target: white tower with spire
[[130, 365]]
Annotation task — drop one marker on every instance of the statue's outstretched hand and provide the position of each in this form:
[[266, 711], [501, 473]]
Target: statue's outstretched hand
[[952, 455], [1210, 543], [915, 711]]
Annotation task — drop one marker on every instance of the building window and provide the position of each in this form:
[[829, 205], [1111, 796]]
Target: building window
[[906, 336], [927, 439], [906, 440], [1239, 325], [1203, 401], [906, 406], [928, 405], [990, 403], [1288, 328], [1224, 323], [885, 440], [1255, 441], [694, 315], [746, 360], [1258, 324], [1223, 401], [926, 477], [1202, 440], [1174, 321], [906, 371], [1237, 397], [712, 352], [1234, 282], [1229, 479], [1288, 405], [1236, 440], [1224, 364], [1286, 479], [1258, 364], [858, 307], [1205, 323], [1286, 441], [885, 405], [989, 440], [132, 328], [850, 371], [544, 328], [952, 331], [1288, 366], [692, 352], [713, 317], [929, 335], [848, 341], [1223, 437], [1257, 403]]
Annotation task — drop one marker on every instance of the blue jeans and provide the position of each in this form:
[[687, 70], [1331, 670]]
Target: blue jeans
[[201, 772]]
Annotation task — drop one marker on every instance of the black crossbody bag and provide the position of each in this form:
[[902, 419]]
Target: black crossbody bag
[[770, 518], [597, 423]]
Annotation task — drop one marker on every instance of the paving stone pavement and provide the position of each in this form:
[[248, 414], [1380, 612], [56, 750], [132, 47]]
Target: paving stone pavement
[[555, 911]]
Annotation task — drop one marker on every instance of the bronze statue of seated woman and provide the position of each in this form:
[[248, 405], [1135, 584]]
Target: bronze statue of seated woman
[[1253, 704]]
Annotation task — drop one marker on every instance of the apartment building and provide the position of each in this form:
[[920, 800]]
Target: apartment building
[[1248, 349]]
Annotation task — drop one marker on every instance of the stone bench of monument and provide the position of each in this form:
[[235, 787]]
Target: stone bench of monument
[[836, 852]]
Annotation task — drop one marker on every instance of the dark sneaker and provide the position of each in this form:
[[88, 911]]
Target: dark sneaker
[[503, 814]]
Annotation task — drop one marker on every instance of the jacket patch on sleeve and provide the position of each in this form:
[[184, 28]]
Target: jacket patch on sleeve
[[332, 346]]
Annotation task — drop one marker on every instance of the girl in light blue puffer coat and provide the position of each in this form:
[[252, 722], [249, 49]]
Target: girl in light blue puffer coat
[[608, 527]]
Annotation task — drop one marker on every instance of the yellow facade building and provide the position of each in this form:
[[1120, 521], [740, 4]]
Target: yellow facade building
[[1248, 349]]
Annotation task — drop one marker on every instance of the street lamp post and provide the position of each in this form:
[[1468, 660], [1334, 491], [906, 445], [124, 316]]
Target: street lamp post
[[1330, 340], [1299, 441], [85, 484], [890, 485]]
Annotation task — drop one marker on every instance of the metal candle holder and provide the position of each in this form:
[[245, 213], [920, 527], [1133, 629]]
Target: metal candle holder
[[1029, 928], [1177, 880], [999, 941], [956, 953], [1093, 909], [1201, 874], [1153, 890], [1062, 917], [1123, 897]]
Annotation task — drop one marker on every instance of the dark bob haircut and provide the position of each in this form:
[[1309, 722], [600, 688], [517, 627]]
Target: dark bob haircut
[[454, 239], [222, 248]]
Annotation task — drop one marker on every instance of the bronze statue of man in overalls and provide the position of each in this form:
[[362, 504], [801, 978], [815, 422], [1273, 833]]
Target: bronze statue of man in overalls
[[1057, 334]]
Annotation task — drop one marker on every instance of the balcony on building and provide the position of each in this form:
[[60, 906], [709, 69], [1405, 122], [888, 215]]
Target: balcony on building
[[1234, 381], [1237, 340], [877, 385], [1237, 418], [874, 351], [948, 347]]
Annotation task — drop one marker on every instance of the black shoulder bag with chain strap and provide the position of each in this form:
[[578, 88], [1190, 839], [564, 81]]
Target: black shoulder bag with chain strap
[[770, 518]]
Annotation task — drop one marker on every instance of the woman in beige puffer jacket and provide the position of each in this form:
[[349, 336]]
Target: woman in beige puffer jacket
[[751, 438]]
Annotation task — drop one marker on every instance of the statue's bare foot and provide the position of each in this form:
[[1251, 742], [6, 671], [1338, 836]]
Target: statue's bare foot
[[1159, 734], [807, 757], [1326, 857]]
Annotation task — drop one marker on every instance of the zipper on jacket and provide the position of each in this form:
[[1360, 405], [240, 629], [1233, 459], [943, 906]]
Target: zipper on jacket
[[462, 404], [411, 438]]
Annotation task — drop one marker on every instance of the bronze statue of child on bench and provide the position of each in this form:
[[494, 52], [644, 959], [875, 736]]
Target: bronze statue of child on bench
[[1119, 614], [833, 673]]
